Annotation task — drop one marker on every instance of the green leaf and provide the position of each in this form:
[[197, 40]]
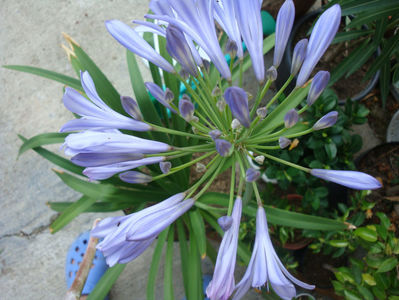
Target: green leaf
[[56, 159], [69, 81], [156, 258], [103, 287], [96, 207], [369, 279], [71, 212], [379, 292], [350, 35], [194, 265], [183, 255], [280, 216], [331, 150], [366, 234], [104, 88], [168, 269], [365, 292], [387, 265], [362, 58], [339, 243], [198, 226], [350, 295], [43, 139], [385, 78], [210, 251], [362, 6]]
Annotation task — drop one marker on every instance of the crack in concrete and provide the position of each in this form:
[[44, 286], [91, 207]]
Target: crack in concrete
[[23, 234]]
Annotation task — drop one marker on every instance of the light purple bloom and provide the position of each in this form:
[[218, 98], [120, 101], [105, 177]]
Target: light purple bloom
[[299, 56], [265, 266], [196, 19], [161, 7], [319, 83], [222, 284], [131, 40], [252, 175], [178, 48], [237, 100], [322, 35], [118, 233], [101, 159], [271, 73], [135, 177], [250, 24], [165, 166], [110, 142], [291, 118], [225, 15], [186, 108], [95, 114], [131, 107], [107, 171], [284, 22], [284, 142], [352, 179], [163, 97], [326, 121], [215, 134], [225, 222], [223, 147]]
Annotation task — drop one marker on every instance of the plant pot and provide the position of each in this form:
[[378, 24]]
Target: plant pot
[[285, 67], [393, 129]]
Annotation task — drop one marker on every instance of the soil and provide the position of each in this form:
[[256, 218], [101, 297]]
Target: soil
[[382, 162]]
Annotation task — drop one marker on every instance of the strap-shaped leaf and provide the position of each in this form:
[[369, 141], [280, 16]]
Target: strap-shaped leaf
[[198, 226], [156, 258], [168, 269], [183, 254], [73, 210], [55, 159], [372, 15], [362, 58], [96, 207], [64, 79], [194, 265], [103, 287], [364, 6], [350, 35], [43, 139], [385, 78]]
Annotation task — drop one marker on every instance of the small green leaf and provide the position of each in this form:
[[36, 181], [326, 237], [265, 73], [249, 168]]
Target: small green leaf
[[339, 243], [168, 269], [183, 254], [366, 234], [331, 150], [379, 292], [103, 287], [43, 139], [369, 279], [69, 81], [350, 295], [365, 292], [198, 227], [388, 265]]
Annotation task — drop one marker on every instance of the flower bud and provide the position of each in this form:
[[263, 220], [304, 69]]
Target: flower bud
[[235, 124], [216, 92], [200, 167], [271, 74], [215, 134], [326, 121], [299, 56], [252, 175], [163, 97], [284, 23], [237, 100], [223, 147], [178, 48], [231, 48], [319, 83], [131, 107], [260, 159], [284, 142], [221, 104], [291, 118], [169, 96], [261, 112], [165, 166], [186, 108], [225, 222], [135, 177]]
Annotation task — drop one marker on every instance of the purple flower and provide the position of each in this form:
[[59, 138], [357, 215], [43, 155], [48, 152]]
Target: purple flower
[[319, 83], [261, 112], [250, 24], [291, 118], [163, 97], [225, 222], [110, 142], [284, 142], [178, 48], [125, 238], [223, 147], [237, 99], [326, 121], [135, 177], [284, 22], [299, 56], [225, 15], [95, 113], [186, 108], [196, 19], [131, 107], [265, 266], [252, 175], [215, 134], [101, 159], [130, 39], [322, 35], [352, 179], [222, 284], [165, 166]]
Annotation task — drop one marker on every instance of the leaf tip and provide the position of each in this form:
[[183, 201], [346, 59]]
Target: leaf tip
[[70, 40]]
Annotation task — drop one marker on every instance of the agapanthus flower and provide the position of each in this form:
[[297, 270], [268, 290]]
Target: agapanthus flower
[[283, 142], [265, 266], [322, 35], [291, 118], [252, 33], [135, 177], [125, 238], [237, 99], [326, 121], [319, 83], [222, 284], [165, 97], [299, 56], [95, 114], [131, 107], [223, 147], [252, 175], [352, 179], [130, 39]]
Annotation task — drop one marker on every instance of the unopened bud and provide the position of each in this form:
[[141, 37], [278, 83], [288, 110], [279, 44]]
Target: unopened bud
[[271, 73], [135, 177], [225, 222], [284, 142], [261, 112], [299, 56], [319, 83], [260, 159], [200, 168], [215, 134], [326, 121], [252, 175], [223, 147], [131, 107], [165, 166], [237, 100], [221, 104], [235, 124], [216, 92], [291, 118], [231, 48]]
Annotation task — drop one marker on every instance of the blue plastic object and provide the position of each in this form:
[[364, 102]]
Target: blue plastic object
[[74, 258]]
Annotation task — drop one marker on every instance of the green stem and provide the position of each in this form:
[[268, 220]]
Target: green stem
[[266, 140], [176, 132], [260, 97], [257, 195], [232, 187], [215, 174], [241, 71], [280, 91]]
